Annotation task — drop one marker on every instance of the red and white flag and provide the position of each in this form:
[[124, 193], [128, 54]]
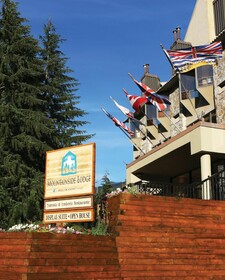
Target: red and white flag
[[137, 102], [118, 123], [158, 101], [123, 109]]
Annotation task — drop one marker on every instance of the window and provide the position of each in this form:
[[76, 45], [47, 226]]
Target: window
[[188, 84], [205, 75], [219, 12], [150, 111], [134, 126]]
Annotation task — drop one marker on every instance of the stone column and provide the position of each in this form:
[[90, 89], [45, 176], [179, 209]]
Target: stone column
[[205, 173]]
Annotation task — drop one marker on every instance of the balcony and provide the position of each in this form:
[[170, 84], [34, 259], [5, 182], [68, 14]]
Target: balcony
[[214, 184]]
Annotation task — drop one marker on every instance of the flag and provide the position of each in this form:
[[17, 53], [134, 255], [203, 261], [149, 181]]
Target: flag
[[144, 88], [118, 123], [158, 101], [123, 109], [136, 101], [189, 58]]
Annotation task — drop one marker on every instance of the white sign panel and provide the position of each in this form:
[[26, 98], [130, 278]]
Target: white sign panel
[[69, 216], [83, 202]]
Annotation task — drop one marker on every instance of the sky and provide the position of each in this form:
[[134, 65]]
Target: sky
[[104, 41]]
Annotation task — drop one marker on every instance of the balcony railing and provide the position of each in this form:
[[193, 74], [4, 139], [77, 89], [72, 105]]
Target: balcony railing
[[212, 188]]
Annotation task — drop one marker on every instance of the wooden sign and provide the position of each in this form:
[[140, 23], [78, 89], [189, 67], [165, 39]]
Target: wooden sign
[[70, 171]]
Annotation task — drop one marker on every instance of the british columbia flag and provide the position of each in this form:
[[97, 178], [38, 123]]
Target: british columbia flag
[[186, 59]]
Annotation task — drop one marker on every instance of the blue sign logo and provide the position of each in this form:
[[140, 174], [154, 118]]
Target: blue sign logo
[[69, 164]]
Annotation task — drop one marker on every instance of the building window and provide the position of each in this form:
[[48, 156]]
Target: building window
[[188, 84], [151, 111], [205, 75], [134, 126], [219, 12]]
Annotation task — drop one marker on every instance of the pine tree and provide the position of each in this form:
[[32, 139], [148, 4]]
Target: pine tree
[[106, 184], [100, 198], [60, 89], [26, 131]]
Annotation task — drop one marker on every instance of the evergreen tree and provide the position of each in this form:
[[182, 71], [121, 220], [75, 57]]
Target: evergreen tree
[[60, 91], [100, 198], [106, 184], [26, 131]]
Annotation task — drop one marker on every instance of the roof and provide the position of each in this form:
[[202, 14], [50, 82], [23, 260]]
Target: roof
[[169, 86]]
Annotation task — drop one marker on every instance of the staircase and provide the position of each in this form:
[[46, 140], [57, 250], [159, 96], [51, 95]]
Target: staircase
[[168, 238]]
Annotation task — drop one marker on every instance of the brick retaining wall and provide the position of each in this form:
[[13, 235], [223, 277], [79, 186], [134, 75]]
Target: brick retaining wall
[[156, 238]]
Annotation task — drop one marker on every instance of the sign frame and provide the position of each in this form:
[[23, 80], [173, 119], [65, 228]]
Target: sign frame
[[77, 178]]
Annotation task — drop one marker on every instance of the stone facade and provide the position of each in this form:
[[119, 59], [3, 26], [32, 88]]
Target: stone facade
[[219, 78]]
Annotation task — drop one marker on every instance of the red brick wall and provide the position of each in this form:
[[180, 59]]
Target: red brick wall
[[169, 238], [152, 238], [42, 256]]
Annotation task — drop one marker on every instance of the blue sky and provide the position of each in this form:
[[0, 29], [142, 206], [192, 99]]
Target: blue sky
[[106, 39]]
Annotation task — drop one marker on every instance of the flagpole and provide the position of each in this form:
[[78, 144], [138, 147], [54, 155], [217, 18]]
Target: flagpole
[[157, 107], [123, 130], [131, 117], [154, 126], [144, 134], [136, 146], [178, 72], [147, 118], [188, 95], [165, 52], [171, 121], [131, 76]]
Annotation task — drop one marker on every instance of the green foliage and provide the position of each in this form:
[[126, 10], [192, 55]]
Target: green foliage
[[59, 91], [100, 198], [106, 184], [38, 112], [99, 229]]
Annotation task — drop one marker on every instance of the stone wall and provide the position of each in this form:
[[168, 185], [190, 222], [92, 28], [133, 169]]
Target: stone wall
[[219, 77]]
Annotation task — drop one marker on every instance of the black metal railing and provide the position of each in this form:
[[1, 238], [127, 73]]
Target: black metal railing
[[211, 188], [215, 185]]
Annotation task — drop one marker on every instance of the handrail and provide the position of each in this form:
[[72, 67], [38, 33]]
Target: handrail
[[215, 184]]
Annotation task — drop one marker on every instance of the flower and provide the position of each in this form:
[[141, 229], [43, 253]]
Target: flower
[[42, 228], [113, 193], [131, 190]]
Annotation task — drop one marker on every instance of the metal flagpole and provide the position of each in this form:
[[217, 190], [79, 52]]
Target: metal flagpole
[[147, 118], [187, 95], [171, 121], [152, 93], [136, 146], [176, 70], [154, 126], [144, 134], [128, 135], [131, 117], [147, 128]]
